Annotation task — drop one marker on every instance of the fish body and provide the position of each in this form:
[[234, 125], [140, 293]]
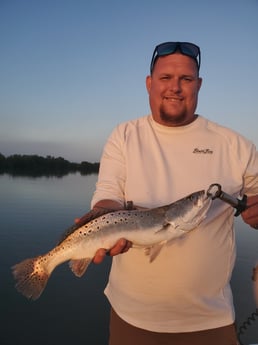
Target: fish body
[[149, 229]]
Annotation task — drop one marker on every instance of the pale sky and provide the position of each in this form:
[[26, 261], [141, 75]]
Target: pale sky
[[71, 70]]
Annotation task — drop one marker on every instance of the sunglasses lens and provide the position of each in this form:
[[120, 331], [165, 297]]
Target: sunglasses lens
[[190, 49], [166, 48]]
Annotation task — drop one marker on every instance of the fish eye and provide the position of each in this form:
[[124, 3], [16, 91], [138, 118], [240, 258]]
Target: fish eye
[[192, 197]]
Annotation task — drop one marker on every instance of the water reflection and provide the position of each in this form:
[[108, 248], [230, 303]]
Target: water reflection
[[34, 212]]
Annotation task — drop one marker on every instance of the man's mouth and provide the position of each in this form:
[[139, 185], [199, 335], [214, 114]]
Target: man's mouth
[[172, 99]]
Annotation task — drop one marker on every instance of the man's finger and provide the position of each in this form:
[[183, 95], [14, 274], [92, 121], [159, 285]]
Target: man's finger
[[99, 256]]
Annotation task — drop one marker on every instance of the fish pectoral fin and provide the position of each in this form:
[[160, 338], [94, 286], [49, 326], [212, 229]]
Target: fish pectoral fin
[[154, 250], [79, 267], [164, 227]]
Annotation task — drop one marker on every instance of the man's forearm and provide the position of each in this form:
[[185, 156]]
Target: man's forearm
[[108, 204]]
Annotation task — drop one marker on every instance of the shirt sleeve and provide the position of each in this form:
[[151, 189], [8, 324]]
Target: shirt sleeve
[[251, 173], [112, 172]]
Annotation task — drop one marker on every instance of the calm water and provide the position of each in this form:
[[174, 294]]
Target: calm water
[[34, 212]]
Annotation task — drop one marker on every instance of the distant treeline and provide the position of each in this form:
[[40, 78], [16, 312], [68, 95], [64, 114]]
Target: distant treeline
[[36, 166]]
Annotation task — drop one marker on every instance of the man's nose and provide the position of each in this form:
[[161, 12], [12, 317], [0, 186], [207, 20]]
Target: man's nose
[[175, 85]]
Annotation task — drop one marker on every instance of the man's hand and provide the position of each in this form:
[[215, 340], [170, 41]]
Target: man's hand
[[250, 215], [121, 246]]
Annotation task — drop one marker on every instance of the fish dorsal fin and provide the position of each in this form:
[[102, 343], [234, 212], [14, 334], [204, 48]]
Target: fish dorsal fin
[[154, 250], [79, 267]]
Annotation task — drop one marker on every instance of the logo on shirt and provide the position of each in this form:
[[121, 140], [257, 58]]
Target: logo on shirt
[[203, 151]]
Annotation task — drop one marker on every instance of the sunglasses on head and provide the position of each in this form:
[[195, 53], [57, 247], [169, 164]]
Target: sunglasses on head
[[184, 48]]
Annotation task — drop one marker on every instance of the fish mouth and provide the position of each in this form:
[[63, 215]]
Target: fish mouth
[[204, 201]]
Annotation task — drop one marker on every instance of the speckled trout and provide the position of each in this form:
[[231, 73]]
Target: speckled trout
[[149, 229]]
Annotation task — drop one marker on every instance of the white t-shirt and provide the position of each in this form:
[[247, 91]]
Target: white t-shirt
[[187, 287]]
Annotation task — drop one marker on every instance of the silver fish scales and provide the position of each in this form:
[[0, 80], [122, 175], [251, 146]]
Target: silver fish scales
[[149, 229]]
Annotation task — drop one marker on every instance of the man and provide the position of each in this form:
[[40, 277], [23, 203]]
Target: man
[[183, 297]]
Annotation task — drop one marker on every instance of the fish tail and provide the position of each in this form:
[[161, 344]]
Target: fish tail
[[31, 276]]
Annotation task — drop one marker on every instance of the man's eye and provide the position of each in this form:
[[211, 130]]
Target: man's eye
[[187, 79]]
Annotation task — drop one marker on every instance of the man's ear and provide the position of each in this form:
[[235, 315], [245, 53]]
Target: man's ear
[[199, 83], [148, 83]]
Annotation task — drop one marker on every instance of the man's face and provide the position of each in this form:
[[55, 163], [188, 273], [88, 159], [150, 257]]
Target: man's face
[[173, 90]]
